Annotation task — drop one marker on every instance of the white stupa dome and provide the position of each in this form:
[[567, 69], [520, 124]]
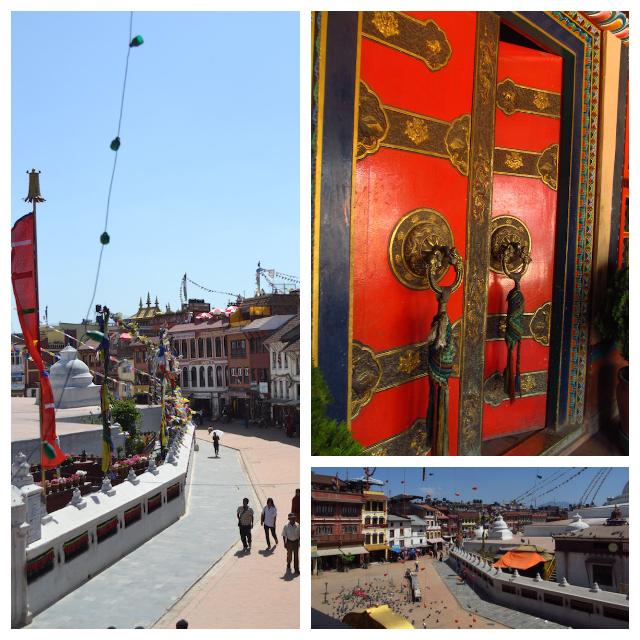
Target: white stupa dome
[[500, 530], [72, 382], [577, 523]]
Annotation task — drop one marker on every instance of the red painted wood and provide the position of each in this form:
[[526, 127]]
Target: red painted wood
[[390, 184], [533, 202]]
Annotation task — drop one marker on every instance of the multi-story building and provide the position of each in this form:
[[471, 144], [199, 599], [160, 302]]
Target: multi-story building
[[336, 523], [249, 364], [284, 358], [374, 520], [418, 532], [399, 531], [201, 350]]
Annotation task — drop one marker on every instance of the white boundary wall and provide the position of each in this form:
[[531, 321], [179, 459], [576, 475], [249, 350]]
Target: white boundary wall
[[577, 607], [72, 521]]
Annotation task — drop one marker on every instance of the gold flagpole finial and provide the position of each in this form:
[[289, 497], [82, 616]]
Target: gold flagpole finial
[[34, 187]]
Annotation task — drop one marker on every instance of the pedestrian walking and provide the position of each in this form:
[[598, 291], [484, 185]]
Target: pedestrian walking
[[291, 537], [216, 444], [245, 523], [295, 505], [268, 521]]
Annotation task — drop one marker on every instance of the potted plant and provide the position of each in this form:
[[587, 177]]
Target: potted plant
[[613, 324]]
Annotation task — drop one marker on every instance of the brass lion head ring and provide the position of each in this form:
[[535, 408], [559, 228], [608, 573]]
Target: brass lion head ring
[[508, 253], [436, 259]]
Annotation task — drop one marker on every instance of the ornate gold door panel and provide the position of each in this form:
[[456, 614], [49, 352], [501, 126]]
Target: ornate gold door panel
[[527, 135], [416, 83]]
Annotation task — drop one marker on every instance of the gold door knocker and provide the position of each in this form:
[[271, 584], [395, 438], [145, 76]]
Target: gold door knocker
[[441, 349]]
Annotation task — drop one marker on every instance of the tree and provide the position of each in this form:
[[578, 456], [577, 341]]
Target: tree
[[328, 438], [126, 414]]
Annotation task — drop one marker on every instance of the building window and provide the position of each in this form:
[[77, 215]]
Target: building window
[[391, 533], [367, 538], [281, 391], [192, 348], [209, 348], [324, 530], [349, 528], [200, 347], [324, 509], [402, 543], [185, 377], [274, 389], [218, 348], [210, 376], [351, 510], [194, 377], [367, 520], [202, 384], [226, 375], [218, 376], [273, 359], [238, 348], [279, 360], [183, 348]]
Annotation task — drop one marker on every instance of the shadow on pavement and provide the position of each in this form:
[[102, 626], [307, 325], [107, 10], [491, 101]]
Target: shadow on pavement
[[266, 552], [321, 620], [288, 576], [241, 553]]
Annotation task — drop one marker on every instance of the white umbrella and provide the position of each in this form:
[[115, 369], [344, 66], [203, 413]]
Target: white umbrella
[[218, 433]]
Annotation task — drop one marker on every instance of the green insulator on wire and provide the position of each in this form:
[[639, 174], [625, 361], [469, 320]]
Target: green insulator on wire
[[136, 42], [104, 238], [115, 144]]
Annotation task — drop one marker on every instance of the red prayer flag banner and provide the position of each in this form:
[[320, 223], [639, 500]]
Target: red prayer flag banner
[[23, 279]]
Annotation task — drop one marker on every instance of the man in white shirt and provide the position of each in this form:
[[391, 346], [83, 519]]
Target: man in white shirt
[[291, 537]]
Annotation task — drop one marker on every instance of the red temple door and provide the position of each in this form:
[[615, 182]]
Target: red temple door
[[457, 147]]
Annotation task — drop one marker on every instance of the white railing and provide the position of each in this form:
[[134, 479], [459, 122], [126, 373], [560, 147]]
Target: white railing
[[93, 532], [579, 607]]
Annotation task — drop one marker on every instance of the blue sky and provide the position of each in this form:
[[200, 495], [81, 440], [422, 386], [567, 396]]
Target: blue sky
[[493, 484], [207, 180]]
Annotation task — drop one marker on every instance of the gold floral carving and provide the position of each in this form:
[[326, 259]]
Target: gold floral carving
[[540, 325], [457, 141], [507, 96], [416, 130], [372, 122], [423, 40], [548, 166], [386, 23], [437, 48], [512, 97], [513, 160], [410, 442], [409, 361], [481, 186], [477, 236], [532, 383], [541, 100], [366, 373]]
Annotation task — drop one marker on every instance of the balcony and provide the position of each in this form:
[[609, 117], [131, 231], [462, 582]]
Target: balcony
[[339, 539]]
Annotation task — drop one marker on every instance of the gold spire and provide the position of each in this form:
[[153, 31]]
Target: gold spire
[[34, 187]]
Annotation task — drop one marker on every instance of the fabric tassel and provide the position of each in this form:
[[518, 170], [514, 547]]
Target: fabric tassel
[[440, 355], [513, 337]]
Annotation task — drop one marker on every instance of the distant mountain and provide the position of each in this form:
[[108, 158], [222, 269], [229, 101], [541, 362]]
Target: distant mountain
[[556, 503]]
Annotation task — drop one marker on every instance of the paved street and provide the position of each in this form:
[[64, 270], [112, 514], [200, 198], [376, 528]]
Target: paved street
[[385, 583], [250, 590], [155, 583], [471, 601]]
